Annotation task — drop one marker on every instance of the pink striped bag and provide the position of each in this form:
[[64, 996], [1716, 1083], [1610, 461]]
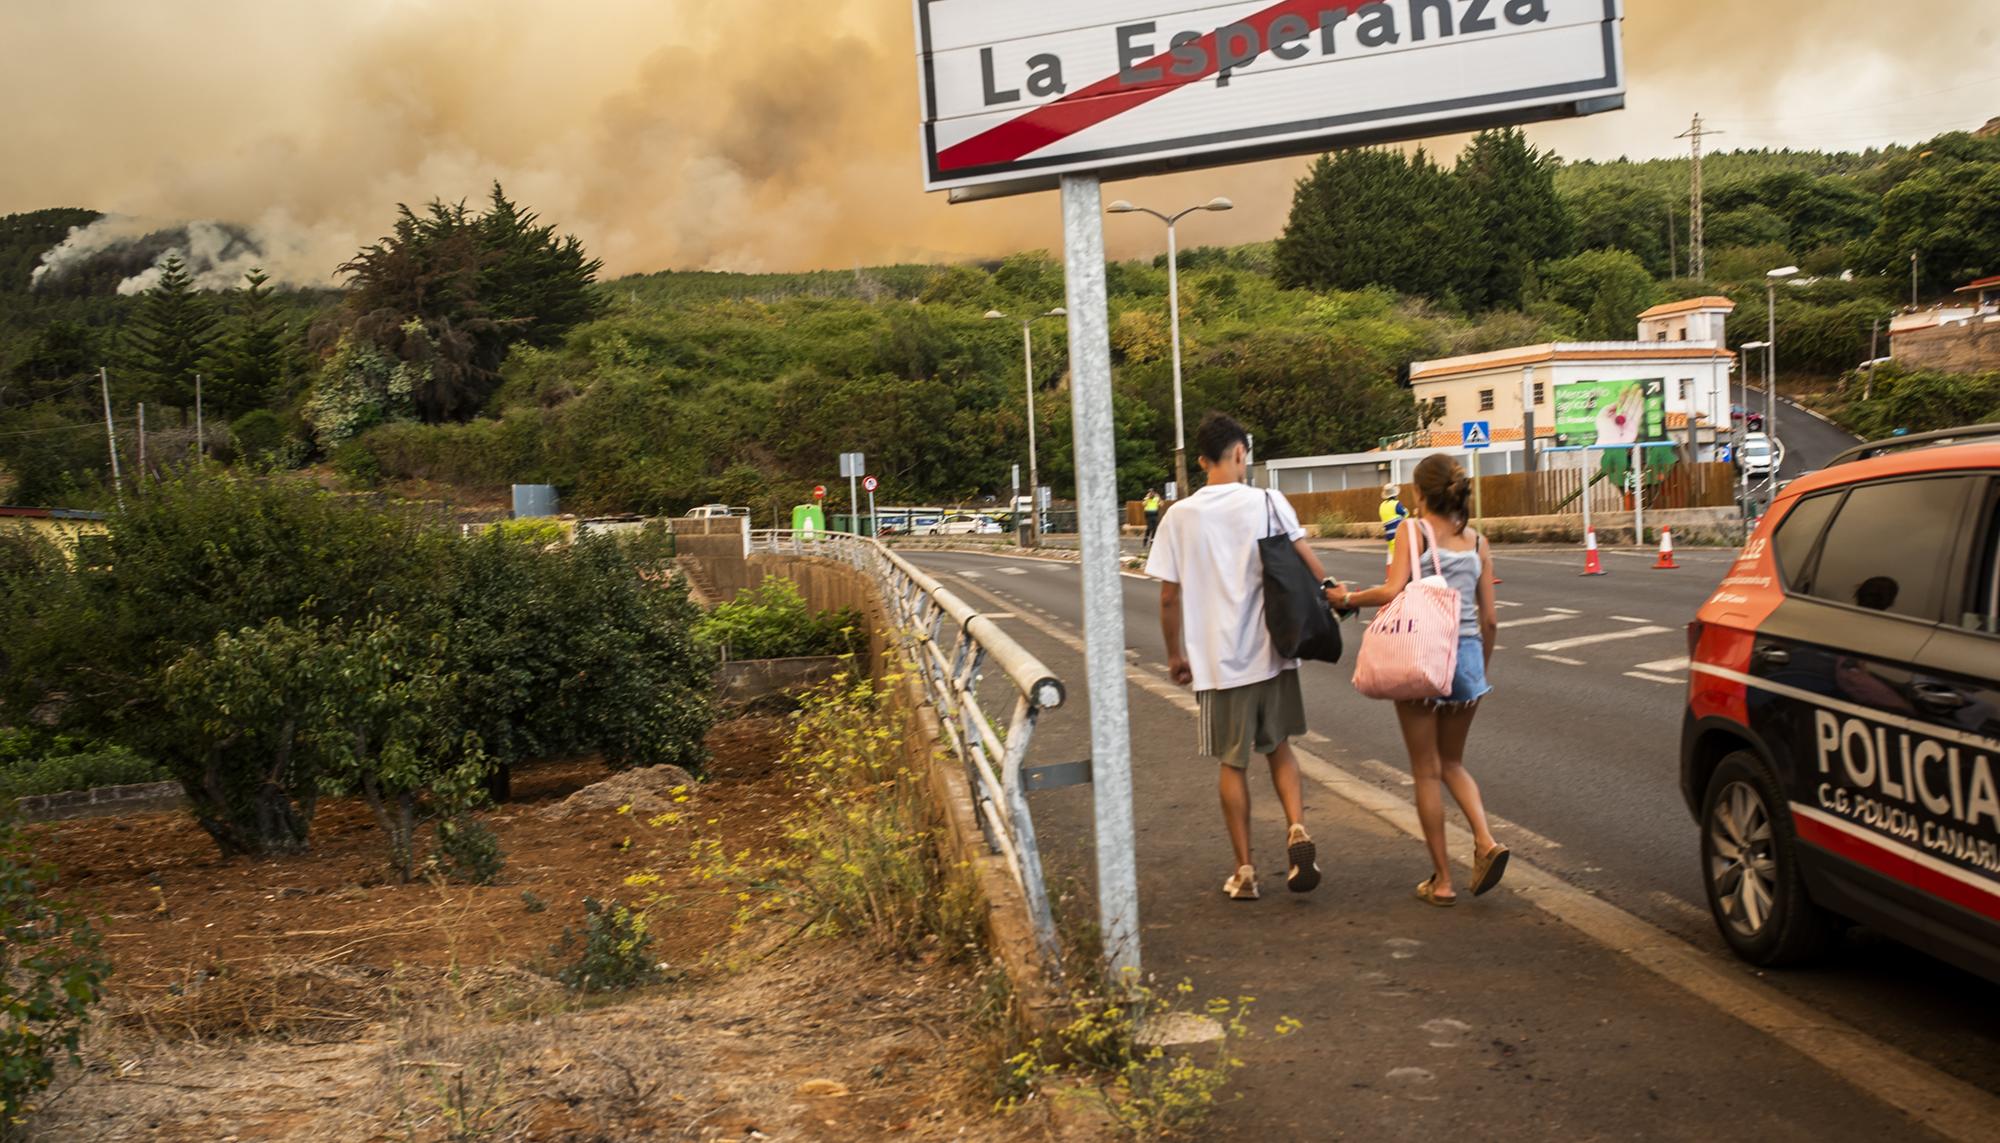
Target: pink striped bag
[[1411, 650]]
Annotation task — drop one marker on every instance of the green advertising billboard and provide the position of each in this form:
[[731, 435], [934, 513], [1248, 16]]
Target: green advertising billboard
[[1609, 414]]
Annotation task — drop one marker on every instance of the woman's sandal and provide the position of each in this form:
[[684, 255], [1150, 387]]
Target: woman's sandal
[[1429, 896], [1488, 870]]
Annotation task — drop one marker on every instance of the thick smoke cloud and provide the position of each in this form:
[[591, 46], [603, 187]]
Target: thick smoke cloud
[[753, 134]]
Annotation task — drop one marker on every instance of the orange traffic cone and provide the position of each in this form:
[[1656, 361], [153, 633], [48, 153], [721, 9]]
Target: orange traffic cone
[[1666, 560], [1592, 564]]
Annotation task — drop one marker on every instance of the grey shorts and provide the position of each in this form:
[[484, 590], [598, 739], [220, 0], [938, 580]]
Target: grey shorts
[[1257, 719]]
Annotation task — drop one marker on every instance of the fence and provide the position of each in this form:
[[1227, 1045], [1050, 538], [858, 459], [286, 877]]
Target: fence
[[951, 644], [1558, 492]]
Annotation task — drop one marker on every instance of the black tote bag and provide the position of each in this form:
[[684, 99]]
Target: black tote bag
[[1296, 613]]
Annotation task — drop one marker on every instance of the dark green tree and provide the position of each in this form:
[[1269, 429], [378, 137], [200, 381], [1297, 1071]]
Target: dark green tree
[[169, 339], [1609, 288], [536, 284], [1522, 219], [58, 355], [255, 355], [1948, 214], [1381, 218]]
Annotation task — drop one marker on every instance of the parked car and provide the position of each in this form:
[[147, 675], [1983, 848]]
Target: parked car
[[715, 511], [966, 524], [1840, 748]]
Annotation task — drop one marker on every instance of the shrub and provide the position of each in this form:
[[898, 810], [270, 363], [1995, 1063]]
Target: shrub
[[772, 621], [39, 764], [1915, 400], [611, 954], [468, 850], [51, 973]]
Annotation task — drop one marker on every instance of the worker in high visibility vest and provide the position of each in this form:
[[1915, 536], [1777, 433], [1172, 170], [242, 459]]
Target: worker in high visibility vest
[[1393, 513], [1152, 504]]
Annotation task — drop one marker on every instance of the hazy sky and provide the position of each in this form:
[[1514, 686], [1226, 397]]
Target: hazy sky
[[767, 134]]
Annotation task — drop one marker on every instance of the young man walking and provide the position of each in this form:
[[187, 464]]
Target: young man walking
[[1212, 612]]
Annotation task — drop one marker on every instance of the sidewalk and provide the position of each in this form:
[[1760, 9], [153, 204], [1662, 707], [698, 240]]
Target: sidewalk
[[1493, 1020]]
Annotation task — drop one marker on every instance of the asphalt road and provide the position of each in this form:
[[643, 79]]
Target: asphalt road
[[1809, 442], [1577, 750]]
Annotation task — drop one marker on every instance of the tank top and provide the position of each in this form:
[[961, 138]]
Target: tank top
[[1460, 570]]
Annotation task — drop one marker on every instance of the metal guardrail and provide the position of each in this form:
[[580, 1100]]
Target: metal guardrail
[[952, 643]]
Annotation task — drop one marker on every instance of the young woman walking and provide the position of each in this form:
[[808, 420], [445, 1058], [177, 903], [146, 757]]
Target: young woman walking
[[1435, 730]]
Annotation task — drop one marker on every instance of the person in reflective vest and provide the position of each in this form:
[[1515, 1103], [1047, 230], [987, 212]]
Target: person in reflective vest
[[1393, 513], [1152, 505]]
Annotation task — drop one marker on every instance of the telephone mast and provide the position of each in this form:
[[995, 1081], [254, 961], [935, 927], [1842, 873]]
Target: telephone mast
[[1697, 240]]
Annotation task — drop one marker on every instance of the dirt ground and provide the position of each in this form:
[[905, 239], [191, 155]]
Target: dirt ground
[[314, 998]]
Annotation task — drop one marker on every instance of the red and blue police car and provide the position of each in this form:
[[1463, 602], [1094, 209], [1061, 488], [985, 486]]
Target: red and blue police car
[[1841, 744]]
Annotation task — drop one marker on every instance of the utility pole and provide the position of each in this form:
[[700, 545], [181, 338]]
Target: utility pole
[[1673, 244], [1874, 355], [111, 435], [142, 443], [1697, 240], [1913, 280], [200, 442]]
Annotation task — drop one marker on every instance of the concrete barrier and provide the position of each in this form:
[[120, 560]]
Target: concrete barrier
[[746, 680], [104, 801]]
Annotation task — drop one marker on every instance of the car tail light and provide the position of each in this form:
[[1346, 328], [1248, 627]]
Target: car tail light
[[1694, 637]]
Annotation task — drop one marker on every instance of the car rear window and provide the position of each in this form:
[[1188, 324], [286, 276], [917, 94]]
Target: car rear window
[[1798, 533], [1889, 547]]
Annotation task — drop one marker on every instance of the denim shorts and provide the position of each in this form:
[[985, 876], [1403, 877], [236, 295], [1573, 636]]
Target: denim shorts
[[1468, 683]]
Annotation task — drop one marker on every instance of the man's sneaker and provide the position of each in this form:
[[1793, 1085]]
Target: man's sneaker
[[1300, 851], [1242, 886]]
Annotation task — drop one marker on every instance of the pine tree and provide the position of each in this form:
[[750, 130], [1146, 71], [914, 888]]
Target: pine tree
[[1380, 218], [169, 338], [255, 355], [1523, 220]]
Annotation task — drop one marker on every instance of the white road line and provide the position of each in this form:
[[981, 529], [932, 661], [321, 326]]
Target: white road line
[[1606, 637], [1663, 666], [1563, 610], [1630, 619], [1534, 619], [1563, 661], [971, 575], [1655, 678], [1012, 571], [1506, 603]]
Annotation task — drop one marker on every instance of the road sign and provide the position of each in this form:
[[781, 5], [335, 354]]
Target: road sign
[[852, 464], [1477, 434], [819, 492], [870, 484], [1022, 92]]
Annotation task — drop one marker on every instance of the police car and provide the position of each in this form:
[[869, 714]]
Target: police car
[[1841, 745]]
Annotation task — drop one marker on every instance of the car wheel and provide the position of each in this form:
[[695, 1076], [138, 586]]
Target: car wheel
[[1750, 866]]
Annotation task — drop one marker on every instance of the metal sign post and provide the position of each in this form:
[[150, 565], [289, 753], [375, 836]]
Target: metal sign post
[[1478, 437], [852, 465], [870, 484], [1103, 585]]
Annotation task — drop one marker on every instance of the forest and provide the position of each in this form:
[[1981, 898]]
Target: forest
[[475, 346]]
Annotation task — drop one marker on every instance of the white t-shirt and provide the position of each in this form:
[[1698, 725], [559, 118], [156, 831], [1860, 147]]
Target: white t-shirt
[[1208, 545]]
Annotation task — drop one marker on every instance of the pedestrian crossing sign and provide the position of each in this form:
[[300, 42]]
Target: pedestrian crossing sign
[[1478, 434]]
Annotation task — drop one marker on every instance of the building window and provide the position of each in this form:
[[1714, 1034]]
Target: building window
[[1541, 393], [1686, 383], [1663, 335], [1486, 400], [1437, 408]]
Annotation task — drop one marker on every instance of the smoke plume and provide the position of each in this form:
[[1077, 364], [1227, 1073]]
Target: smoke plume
[[751, 134]]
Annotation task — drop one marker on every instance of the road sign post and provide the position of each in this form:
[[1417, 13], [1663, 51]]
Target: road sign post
[[1477, 436], [869, 484], [852, 465]]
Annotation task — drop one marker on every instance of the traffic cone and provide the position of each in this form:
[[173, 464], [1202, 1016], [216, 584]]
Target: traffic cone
[[1592, 563], [1666, 560]]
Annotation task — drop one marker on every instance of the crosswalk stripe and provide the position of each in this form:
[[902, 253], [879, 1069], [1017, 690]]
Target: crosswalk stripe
[[1664, 666], [1563, 610], [1630, 619], [1012, 571], [1654, 678], [1534, 619], [1606, 637], [1560, 659]]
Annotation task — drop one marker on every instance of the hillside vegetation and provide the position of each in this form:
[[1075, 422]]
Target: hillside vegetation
[[474, 348]]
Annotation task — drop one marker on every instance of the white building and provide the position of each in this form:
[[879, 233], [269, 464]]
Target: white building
[[1686, 343]]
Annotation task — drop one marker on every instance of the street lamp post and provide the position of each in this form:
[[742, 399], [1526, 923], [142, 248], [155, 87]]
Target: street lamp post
[[1771, 281], [1034, 468], [1174, 304]]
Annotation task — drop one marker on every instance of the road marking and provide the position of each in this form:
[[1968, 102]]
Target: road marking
[[1951, 1107], [1630, 619], [1534, 619], [1655, 678], [972, 575], [1506, 603], [1563, 661], [1662, 666], [1562, 610], [1012, 571], [1681, 908], [1607, 637]]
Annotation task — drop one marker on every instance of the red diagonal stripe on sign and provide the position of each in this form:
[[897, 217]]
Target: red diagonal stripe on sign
[[1053, 122]]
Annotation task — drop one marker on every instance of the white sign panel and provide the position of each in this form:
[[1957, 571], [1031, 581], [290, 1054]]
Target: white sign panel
[[1020, 91]]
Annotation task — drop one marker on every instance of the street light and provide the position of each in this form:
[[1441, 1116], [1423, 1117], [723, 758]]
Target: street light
[[1174, 304], [1034, 468], [1771, 281]]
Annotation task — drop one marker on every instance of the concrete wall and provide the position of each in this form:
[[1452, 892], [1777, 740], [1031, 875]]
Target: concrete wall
[[1973, 347]]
